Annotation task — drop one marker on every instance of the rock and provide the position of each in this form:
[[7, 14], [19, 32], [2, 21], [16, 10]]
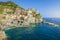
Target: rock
[[3, 35], [49, 23]]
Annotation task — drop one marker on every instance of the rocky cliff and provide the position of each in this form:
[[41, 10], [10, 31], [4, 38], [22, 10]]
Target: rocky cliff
[[13, 15]]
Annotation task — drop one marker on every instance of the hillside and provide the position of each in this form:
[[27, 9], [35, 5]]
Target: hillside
[[9, 5], [14, 15]]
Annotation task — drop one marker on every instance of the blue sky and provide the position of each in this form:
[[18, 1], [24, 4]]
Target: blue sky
[[47, 8]]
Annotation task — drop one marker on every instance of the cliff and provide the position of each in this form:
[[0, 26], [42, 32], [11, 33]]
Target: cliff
[[13, 15]]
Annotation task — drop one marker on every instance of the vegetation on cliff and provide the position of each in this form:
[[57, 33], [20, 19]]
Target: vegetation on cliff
[[10, 5]]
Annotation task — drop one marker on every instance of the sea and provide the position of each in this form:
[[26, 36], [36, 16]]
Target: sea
[[39, 32]]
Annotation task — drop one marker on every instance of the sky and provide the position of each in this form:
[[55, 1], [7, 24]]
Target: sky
[[47, 8]]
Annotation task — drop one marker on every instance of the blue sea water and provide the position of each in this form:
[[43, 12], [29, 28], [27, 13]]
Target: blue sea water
[[40, 32]]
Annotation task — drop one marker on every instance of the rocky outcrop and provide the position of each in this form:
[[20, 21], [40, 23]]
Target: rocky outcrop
[[12, 15], [49, 23], [3, 36]]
